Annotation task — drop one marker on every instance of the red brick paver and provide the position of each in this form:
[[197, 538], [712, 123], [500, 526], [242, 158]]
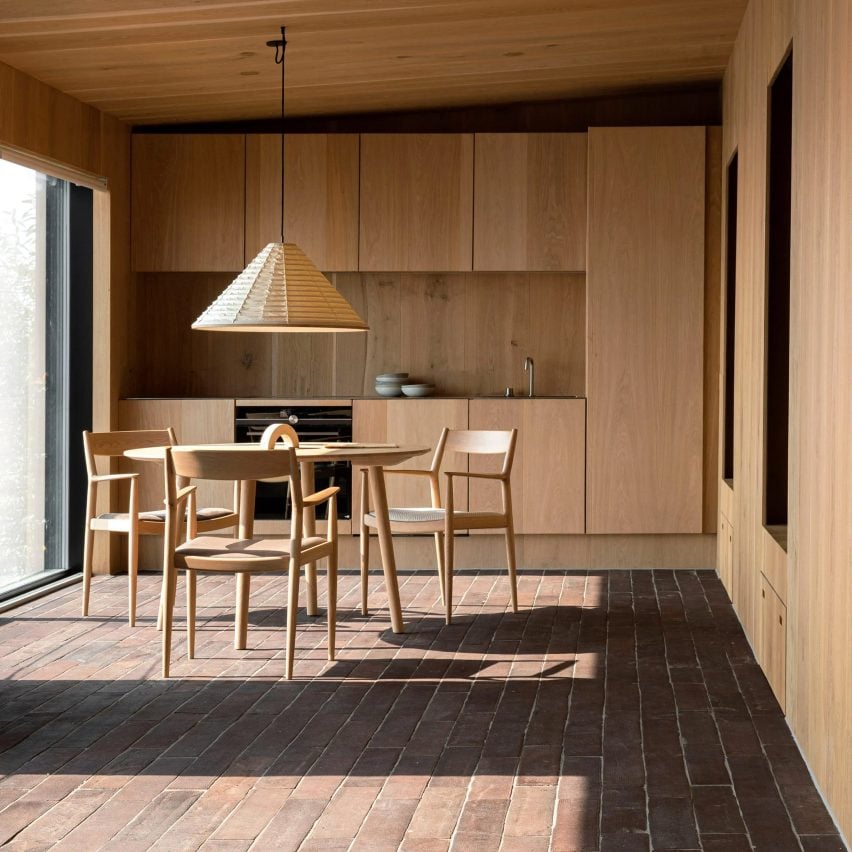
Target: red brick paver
[[616, 710]]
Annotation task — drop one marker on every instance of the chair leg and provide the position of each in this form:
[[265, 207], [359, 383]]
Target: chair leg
[[332, 604], [439, 551], [169, 588], [365, 565], [510, 561], [448, 576], [132, 575], [88, 544], [292, 614], [241, 621], [191, 578]]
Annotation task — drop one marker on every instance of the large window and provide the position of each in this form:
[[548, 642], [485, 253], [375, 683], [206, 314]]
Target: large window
[[40, 270]]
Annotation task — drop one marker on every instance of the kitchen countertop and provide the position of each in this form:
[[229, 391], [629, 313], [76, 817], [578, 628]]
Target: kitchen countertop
[[250, 400]]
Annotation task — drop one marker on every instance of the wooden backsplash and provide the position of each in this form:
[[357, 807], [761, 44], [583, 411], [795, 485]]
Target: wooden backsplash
[[467, 332]]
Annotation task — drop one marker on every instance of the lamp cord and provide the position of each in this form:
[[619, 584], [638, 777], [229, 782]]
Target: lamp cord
[[280, 46], [281, 62]]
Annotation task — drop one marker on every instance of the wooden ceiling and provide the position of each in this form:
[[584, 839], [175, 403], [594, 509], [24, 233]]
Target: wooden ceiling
[[152, 61]]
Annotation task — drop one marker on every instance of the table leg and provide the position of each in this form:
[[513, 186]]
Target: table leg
[[380, 507], [309, 528], [243, 581]]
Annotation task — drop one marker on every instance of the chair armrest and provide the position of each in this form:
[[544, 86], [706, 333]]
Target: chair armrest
[[185, 492], [469, 475], [407, 471], [113, 477], [320, 496]]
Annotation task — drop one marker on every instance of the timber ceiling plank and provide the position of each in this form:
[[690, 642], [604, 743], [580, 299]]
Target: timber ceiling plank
[[149, 61]]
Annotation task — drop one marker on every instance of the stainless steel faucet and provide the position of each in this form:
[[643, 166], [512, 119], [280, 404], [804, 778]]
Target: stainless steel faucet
[[529, 365]]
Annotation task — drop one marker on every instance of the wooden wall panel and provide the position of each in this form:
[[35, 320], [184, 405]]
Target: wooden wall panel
[[645, 285], [470, 333], [44, 121], [416, 202], [188, 203], [214, 364], [321, 185], [529, 201], [263, 192], [322, 188], [819, 534]]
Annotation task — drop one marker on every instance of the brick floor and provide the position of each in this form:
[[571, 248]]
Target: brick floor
[[617, 711]]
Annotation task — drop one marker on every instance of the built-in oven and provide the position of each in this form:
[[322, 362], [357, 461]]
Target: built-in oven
[[319, 423]]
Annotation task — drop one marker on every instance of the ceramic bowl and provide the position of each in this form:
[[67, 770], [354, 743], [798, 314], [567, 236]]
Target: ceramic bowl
[[391, 377], [388, 388], [418, 390]]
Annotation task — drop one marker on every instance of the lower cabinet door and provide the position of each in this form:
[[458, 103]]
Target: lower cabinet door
[[773, 640], [548, 475], [410, 421]]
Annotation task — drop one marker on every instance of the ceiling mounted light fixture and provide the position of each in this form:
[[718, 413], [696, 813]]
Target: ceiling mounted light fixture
[[281, 289]]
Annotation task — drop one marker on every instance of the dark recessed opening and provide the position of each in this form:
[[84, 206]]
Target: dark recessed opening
[[730, 321], [778, 295]]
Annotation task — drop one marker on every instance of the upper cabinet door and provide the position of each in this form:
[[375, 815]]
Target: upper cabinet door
[[416, 202], [530, 202], [188, 197], [645, 321], [321, 191]]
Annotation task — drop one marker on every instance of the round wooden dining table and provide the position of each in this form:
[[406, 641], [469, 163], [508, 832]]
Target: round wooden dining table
[[374, 457]]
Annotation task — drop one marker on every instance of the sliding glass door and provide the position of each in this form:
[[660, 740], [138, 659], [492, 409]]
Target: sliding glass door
[[35, 328]]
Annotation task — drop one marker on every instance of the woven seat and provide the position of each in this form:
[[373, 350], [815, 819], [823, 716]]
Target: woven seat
[[239, 548], [159, 515]]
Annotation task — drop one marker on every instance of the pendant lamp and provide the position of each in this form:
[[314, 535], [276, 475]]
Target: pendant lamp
[[281, 289]]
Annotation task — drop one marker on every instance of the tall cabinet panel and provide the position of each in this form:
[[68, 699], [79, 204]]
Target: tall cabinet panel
[[416, 202], [645, 286], [188, 201], [321, 190], [529, 202]]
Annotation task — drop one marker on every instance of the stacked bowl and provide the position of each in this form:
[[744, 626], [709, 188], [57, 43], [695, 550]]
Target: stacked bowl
[[390, 384], [418, 389]]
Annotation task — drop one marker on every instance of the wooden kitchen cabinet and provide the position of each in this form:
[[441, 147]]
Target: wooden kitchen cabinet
[[529, 200], [410, 421], [321, 196], [195, 421], [548, 474], [645, 319], [772, 644], [188, 202], [416, 202]]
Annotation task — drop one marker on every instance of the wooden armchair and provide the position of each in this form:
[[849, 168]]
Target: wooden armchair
[[245, 555], [134, 522], [442, 520]]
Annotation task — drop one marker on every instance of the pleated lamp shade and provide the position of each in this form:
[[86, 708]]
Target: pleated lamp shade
[[280, 290]]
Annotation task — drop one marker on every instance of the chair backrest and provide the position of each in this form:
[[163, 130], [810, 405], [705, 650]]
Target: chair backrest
[[114, 444], [237, 464], [276, 432], [490, 442], [231, 464]]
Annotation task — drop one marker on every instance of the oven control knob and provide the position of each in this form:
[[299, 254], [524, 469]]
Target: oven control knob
[[293, 419]]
